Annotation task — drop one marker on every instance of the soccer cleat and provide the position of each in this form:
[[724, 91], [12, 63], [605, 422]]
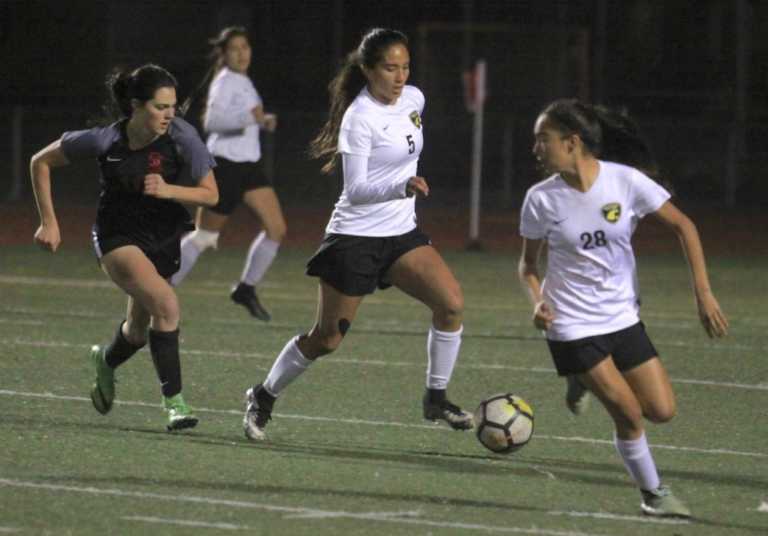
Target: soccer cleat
[[245, 295], [576, 396], [258, 412], [180, 415], [103, 390], [456, 418], [661, 502]]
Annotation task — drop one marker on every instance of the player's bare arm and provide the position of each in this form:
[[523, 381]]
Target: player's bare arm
[[712, 318], [47, 235]]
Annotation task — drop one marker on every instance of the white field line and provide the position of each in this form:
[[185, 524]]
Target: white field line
[[310, 297], [618, 517], [9, 530], [363, 515], [397, 328], [465, 363], [288, 510], [434, 427], [185, 523]]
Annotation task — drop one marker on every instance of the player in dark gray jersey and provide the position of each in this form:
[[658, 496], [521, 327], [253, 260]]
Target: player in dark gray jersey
[[150, 162]]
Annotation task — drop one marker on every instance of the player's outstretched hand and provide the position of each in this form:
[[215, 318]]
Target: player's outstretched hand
[[417, 186], [712, 318], [48, 237], [542, 315], [155, 186]]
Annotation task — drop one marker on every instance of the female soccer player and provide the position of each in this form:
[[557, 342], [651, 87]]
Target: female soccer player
[[233, 116], [372, 239], [588, 303], [150, 162]]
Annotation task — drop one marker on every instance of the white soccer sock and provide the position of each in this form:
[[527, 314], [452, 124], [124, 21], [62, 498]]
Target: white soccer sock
[[638, 461], [442, 352], [192, 245], [260, 256], [288, 366]]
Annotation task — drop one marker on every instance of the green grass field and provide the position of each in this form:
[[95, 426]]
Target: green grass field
[[349, 452]]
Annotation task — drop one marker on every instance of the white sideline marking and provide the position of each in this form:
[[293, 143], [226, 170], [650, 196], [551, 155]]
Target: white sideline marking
[[22, 322], [185, 523], [548, 474], [367, 515], [763, 507], [620, 517], [382, 363], [284, 509], [9, 530], [310, 298], [52, 396]]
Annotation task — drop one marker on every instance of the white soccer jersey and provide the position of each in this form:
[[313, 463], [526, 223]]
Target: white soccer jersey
[[389, 137], [590, 281], [233, 131]]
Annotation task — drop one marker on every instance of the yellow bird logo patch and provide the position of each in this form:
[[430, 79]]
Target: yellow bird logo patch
[[415, 118], [612, 212]]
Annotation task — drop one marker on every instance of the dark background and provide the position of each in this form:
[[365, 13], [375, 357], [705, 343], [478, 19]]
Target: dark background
[[693, 73]]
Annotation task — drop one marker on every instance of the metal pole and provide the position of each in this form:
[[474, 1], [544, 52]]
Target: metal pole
[[16, 148], [477, 159], [599, 42], [736, 135]]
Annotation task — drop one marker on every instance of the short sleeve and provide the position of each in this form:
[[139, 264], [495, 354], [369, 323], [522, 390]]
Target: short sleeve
[[419, 99], [648, 195], [355, 136], [90, 143], [197, 160], [531, 221]]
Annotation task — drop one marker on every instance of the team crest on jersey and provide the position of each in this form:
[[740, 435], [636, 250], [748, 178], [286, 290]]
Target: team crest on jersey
[[415, 118], [612, 212], [155, 162]]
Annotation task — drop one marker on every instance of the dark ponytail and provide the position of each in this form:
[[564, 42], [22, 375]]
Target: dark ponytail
[[216, 57], [607, 133], [345, 86], [139, 84]]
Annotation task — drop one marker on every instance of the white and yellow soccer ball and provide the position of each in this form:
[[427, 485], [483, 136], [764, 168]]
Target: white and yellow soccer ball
[[504, 423]]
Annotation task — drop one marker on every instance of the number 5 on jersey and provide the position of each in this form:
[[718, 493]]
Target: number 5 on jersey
[[411, 144]]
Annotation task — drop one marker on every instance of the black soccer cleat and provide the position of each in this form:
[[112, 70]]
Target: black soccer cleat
[[245, 295], [436, 407]]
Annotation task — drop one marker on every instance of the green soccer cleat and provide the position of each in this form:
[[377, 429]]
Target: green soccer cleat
[[576, 396], [103, 390], [180, 415], [660, 502]]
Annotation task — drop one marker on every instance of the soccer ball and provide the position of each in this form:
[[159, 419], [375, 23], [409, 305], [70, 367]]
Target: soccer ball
[[504, 423]]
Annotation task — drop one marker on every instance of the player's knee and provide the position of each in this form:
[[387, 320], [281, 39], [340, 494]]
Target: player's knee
[[662, 413], [451, 308], [203, 239], [276, 231], [166, 310]]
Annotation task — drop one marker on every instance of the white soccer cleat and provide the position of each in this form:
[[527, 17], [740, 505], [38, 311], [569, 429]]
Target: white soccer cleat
[[256, 417]]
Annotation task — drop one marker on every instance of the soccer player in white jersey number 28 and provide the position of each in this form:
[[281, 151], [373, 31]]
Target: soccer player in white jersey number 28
[[588, 303], [372, 239]]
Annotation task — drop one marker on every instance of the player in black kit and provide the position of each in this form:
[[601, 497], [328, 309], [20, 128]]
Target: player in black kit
[[150, 162]]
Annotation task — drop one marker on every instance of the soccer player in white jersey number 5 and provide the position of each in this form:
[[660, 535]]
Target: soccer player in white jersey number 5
[[372, 239], [588, 303]]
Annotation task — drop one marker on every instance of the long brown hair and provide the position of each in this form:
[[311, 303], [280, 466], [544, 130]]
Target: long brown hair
[[216, 57], [345, 86]]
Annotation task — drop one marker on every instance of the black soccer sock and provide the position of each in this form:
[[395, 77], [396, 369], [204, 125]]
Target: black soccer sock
[[164, 346], [435, 396], [119, 350]]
